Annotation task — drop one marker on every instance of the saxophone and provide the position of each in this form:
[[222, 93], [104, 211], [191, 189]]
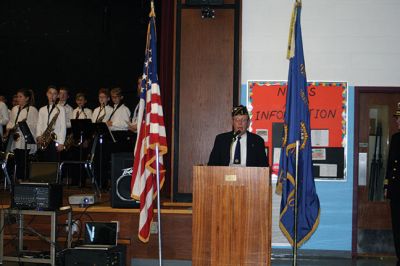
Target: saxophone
[[69, 142], [48, 135], [102, 108], [12, 132], [16, 135]]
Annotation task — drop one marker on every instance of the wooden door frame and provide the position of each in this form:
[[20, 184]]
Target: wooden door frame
[[358, 90]]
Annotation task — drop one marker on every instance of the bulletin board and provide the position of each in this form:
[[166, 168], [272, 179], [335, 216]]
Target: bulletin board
[[266, 104]]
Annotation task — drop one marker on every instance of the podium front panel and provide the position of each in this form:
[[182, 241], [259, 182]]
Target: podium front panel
[[231, 216]]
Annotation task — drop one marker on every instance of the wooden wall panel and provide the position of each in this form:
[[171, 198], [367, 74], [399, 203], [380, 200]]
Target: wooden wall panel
[[205, 87]]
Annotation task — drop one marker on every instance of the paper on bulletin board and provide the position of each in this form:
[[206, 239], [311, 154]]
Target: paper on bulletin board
[[320, 138]]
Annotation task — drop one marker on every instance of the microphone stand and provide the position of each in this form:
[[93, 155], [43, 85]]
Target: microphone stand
[[80, 157], [26, 156], [101, 160]]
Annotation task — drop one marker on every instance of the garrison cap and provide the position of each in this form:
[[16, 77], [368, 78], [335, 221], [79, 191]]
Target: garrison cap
[[239, 110]]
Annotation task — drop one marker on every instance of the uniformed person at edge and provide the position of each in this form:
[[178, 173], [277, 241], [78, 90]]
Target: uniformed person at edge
[[392, 183]]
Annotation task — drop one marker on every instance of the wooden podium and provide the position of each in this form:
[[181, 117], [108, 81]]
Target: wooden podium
[[231, 216]]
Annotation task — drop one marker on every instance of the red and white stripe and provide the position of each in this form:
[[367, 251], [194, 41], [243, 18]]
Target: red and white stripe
[[151, 132]]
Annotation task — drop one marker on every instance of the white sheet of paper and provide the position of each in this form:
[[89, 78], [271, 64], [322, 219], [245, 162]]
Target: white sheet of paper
[[320, 138], [263, 133], [277, 155], [327, 170]]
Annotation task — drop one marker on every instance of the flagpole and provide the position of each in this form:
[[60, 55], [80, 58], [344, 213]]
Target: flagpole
[[158, 206], [295, 205]]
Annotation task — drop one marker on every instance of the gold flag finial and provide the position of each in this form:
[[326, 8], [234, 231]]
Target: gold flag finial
[[152, 13], [290, 50], [291, 41]]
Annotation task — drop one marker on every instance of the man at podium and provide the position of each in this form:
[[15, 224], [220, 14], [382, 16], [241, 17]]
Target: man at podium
[[238, 147]]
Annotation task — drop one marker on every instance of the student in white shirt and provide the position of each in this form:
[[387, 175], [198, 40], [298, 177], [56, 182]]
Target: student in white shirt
[[4, 116], [81, 112], [120, 116], [80, 152], [118, 124], [48, 114], [103, 112], [63, 97], [24, 111]]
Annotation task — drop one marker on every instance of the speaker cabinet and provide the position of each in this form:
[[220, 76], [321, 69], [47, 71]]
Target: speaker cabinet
[[114, 256], [121, 165]]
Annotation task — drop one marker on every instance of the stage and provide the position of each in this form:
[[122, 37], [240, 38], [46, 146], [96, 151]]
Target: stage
[[176, 220]]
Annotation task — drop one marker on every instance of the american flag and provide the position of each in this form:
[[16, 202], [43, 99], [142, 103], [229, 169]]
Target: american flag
[[151, 132]]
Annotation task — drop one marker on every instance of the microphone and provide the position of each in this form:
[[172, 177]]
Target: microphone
[[235, 134]]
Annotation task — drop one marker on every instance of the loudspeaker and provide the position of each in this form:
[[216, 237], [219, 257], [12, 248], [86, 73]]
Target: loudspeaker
[[113, 256], [121, 166]]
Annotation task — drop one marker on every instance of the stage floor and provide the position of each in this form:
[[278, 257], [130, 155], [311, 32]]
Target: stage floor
[[275, 262]]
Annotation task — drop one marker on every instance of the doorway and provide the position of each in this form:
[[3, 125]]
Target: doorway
[[374, 125]]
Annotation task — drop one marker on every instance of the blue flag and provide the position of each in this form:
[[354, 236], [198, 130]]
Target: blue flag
[[297, 128]]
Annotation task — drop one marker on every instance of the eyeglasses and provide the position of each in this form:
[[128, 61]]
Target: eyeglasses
[[243, 120]]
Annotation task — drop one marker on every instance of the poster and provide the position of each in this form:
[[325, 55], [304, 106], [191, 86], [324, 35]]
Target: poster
[[266, 104]]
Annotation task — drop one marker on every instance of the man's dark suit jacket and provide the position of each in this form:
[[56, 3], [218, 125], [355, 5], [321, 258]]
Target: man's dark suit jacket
[[220, 153], [393, 168]]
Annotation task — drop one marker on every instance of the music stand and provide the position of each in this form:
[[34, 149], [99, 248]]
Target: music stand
[[29, 139], [82, 129], [103, 134]]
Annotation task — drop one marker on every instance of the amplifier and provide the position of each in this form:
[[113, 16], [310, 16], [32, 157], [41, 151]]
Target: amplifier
[[35, 196], [115, 256]]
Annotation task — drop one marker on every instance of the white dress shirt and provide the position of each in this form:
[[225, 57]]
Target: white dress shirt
[[243, 151], [4, 116], [78, 113], [30, 114], [99, 112], [45, 117], [68, 112], [120, 117]]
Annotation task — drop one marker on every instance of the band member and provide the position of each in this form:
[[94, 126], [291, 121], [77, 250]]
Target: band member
[[118, 124], [80, 150], [24, 111], [103, 112], [120, 116], [66, 155], [4, 116], [3, 99], [81, 112], [63, 97], [51, 127]]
